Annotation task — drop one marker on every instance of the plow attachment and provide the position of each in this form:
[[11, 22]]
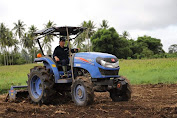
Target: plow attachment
[[16, 93]]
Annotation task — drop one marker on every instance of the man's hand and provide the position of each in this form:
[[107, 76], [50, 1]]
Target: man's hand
[[75, 50], [56, 58]]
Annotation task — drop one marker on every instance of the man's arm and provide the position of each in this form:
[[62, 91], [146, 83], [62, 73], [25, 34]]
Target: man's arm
[[55, 55]]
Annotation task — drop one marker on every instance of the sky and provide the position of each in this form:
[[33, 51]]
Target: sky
[[155, 18]]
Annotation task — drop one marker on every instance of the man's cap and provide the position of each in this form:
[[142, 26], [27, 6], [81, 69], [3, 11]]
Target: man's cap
[[62, 38]]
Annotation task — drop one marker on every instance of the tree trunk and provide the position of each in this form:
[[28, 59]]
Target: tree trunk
[[88, 45], [12, 59], [26, 58], [7, 63], [9, 57], [4, 58], [34, 56], [88, 49], [12, 55]]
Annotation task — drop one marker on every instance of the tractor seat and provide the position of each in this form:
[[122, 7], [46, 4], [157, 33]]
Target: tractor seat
[[59, 66]]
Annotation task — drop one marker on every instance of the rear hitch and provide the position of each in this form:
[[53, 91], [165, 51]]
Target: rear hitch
[[12, 93]]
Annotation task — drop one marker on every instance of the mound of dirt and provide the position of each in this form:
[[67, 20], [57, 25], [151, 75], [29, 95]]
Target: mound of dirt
[[158, 100]]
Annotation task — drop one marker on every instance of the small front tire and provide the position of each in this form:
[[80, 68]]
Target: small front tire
[[82, 91]]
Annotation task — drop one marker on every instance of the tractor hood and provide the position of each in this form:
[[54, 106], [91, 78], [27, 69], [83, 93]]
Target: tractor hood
[[94, 55], [99, 65], [101, 60]]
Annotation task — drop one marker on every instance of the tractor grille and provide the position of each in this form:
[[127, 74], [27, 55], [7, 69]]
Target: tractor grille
[[109, 72]]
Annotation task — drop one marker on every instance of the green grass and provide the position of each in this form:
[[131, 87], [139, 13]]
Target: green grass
[[148, 71], [14, 75]]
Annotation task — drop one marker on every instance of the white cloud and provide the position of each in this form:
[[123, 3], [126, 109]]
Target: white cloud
[[139, 17]]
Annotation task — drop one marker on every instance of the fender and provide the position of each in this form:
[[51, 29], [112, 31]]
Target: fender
[[50, 64]]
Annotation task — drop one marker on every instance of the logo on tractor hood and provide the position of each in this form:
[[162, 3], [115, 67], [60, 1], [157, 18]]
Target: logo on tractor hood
[[85, 60]]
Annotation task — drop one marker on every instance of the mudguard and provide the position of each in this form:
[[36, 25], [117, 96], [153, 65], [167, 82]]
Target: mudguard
[[50, 64]]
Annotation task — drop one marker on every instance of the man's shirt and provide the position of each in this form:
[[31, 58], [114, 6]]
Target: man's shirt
[[61, 53]]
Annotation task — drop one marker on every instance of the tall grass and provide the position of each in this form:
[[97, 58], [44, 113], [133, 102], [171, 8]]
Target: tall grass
[[150, 71], [13, 75]]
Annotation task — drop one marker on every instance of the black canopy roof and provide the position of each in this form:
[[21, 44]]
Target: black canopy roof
[[60, 31]]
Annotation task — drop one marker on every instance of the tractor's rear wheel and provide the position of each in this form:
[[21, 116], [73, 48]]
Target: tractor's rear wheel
[[82, 91], [40, 85]]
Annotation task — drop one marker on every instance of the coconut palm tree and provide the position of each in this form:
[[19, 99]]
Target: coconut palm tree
[[27, 43], [32, 29], [49, 38], [25, 55], [89, 32], [19, 28], [78, 42], [104, 24], [84, 24], [30, 37], [90, 28], [15, 44], [9, 36], [3, 40], [16, 48], [85, 36]]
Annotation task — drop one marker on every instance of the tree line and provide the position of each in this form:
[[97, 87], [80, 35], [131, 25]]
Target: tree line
[[18, 45]]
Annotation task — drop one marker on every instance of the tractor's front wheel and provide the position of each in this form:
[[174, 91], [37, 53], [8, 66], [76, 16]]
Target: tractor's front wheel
[[40, 85], [82, 91]]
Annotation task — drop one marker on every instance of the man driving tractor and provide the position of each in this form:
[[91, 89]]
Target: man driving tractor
[[61, 55]]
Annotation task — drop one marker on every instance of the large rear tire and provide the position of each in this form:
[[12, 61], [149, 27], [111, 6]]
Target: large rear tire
[[40, 85], [82, 91]]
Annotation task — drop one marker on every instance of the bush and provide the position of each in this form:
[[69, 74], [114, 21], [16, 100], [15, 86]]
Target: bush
[[129, 58]]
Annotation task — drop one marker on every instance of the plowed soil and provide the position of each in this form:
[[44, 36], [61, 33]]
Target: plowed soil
[[148, 101]]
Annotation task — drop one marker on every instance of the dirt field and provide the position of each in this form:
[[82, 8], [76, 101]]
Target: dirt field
[[147, 101]]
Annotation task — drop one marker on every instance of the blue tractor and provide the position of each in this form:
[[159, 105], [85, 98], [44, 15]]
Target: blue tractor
[[88, 72]]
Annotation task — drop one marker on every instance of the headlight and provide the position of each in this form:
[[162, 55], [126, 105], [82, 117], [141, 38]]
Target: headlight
[[108, 62], [109, 65]]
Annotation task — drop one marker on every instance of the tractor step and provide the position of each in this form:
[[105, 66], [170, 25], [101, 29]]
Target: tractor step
[[67, 80]]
